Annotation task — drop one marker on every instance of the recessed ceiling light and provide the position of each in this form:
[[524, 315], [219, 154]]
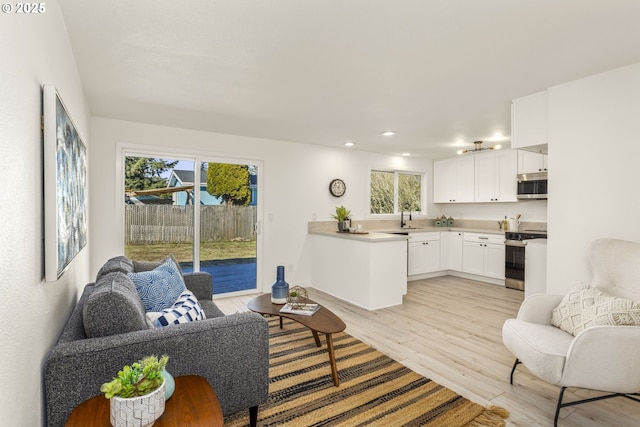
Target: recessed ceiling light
[[349, 144], [388, 133], [406, 154]]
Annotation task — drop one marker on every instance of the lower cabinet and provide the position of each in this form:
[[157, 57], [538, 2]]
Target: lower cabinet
[[424, 253], [456, 251], [484, 255], [451, 244]]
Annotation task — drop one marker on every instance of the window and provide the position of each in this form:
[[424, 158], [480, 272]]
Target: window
[[394, 191]]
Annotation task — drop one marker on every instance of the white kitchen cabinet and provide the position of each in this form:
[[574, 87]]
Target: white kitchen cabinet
[[529, 120], [494, 264], [424, 253], [453, 180], [484, 255], [530, 162], [495, 176], [451, 247]]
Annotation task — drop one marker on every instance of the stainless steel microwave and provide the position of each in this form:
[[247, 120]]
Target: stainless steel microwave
[[532, 186]]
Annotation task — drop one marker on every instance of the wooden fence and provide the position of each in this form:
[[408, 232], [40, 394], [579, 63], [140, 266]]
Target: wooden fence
[[149, 224]]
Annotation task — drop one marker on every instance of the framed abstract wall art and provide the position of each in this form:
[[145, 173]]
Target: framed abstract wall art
[[65, 187]]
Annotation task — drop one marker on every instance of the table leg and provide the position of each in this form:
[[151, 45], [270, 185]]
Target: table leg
[[316, 337], [280, 322], [332, 360]]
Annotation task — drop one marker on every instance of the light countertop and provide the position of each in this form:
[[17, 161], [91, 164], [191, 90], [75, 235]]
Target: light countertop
[[386, 235]]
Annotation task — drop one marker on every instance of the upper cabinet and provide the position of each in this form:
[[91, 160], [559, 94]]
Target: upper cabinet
[[453, 180], [529, 121], [530, 162], [476, 177], [495, 176]]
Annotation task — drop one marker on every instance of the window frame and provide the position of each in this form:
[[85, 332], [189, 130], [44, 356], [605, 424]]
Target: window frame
[[396, 211]]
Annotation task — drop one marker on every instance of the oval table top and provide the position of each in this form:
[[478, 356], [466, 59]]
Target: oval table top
[[323, 320]]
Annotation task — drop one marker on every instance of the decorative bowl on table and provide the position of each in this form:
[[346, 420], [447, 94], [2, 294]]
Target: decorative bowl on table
[[298, 297]]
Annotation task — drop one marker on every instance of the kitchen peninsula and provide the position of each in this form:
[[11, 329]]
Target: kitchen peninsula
[[368, 270], [372, 269]]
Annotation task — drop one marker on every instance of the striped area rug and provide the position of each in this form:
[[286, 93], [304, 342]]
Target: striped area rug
[[374, 390]]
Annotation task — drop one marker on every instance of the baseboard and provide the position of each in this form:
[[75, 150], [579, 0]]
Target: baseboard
[[485, 279]]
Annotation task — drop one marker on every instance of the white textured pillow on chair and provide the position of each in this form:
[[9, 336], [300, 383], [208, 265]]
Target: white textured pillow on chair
[[582, 308]]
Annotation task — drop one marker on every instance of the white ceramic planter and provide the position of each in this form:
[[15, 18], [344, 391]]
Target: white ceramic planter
[[140, 411]]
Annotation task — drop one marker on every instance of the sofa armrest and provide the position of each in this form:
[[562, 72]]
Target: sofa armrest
[[231, 352], [604, 358], [201, 284], [537, 308]]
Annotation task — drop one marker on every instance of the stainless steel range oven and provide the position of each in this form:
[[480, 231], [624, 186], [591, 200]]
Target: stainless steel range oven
[[515, 247]]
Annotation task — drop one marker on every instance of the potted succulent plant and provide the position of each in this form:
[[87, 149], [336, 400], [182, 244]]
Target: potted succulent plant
[[137, 393], [342, 216]]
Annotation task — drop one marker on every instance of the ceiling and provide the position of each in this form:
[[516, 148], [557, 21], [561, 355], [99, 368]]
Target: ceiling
[[440, 73]]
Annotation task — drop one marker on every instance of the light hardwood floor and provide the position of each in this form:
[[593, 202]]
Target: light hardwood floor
[[449, 329]]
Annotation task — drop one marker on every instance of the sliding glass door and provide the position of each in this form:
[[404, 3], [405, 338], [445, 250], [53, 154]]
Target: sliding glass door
[[204, 212], [228, 218]]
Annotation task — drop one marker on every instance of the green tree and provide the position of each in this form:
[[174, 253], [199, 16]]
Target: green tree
[[142, 173], [381, 192], [409, 192], [230, 182]]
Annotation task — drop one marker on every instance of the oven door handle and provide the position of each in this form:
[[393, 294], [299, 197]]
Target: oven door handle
[[517, 243]]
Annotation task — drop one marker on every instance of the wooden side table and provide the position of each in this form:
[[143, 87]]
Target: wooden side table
[[193, 404]]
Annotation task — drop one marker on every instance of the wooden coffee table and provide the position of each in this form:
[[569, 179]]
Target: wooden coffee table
[[193, 404], [323, 321]]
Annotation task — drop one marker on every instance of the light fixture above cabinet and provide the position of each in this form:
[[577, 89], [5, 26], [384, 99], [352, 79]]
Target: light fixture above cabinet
[[477, 147]]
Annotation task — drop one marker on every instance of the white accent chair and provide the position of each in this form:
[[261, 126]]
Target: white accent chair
[[603, 358]]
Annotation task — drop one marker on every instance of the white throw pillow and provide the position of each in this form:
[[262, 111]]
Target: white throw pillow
[[584, 307], [186, 309]]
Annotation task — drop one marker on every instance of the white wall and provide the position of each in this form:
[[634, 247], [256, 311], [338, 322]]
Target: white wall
[[294, 186], [594, 158], [34, 51], [531, 210]]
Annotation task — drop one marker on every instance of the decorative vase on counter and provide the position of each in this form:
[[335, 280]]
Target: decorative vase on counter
[[344, 226], [280, 289]]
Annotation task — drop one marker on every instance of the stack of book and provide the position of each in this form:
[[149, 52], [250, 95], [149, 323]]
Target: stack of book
[[304, 310]]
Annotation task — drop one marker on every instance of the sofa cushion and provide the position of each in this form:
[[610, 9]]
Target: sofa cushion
[[120, 264], [186, 309], [159, 288], [584, 308], [114, 307]]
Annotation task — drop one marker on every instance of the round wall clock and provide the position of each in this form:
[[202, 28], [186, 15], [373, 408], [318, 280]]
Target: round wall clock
[[337, 188]]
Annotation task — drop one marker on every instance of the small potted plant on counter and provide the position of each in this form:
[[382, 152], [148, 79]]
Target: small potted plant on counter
[[342, 216], [137, 396]]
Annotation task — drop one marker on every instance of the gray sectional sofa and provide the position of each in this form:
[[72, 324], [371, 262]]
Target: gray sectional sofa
[[107, 329]]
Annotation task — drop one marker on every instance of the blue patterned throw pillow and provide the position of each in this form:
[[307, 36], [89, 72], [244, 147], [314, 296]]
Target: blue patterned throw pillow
[[186, 309], [159, 288]]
